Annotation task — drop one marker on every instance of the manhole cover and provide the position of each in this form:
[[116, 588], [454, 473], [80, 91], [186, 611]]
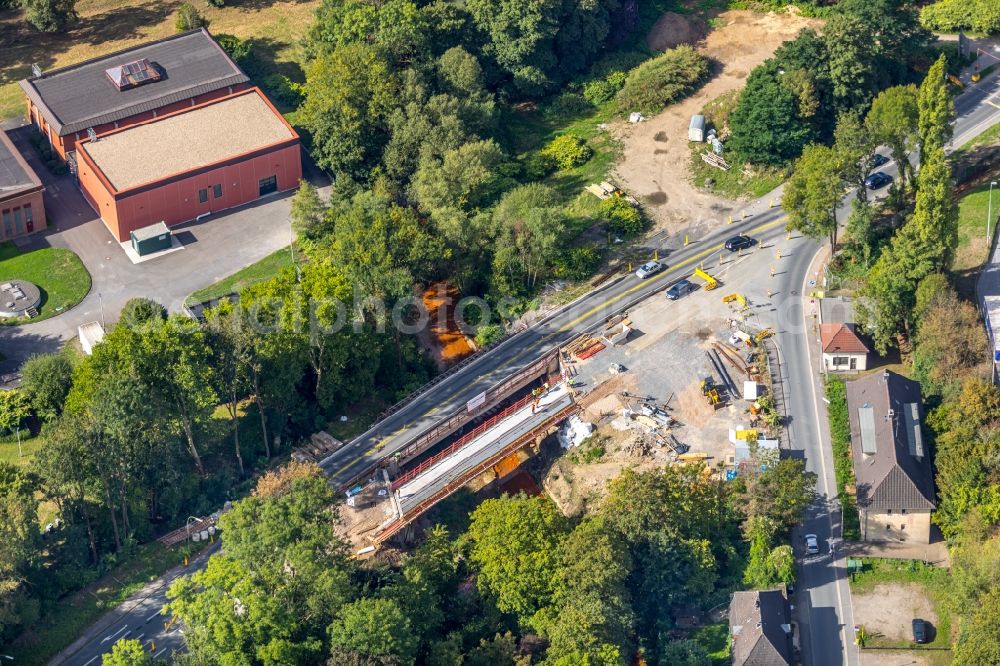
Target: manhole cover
[[795, 293]]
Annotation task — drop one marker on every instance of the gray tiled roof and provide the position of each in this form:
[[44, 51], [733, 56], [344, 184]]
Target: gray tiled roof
[[80, 96], [15, 175], [898, 474], [757, 622]]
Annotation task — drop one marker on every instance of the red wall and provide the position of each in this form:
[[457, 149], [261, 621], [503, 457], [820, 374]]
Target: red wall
[[175, 200]]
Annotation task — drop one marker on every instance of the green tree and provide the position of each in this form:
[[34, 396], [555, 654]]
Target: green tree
[[349, 95], [776, 489], [853, 68], [15, 407], [127, 652], [892, 120], [397, 27], [568, 151], [18, 547], [979, 639], [663, 80], [861, 232], [139, 312], [50, 15], [766, 127], [935, 214], [814, 192], [515, 551], [855, 145], [520, 37], [950, 344], [375, 627], [189, 18], [308, 211], [46, 380], [935, 110], [530, 225]]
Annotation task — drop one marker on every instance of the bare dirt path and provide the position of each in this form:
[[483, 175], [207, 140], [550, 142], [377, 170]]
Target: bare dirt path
[[654, 164]]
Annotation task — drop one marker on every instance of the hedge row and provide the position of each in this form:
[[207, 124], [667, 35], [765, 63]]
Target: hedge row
[[840, 439], [980, 16]]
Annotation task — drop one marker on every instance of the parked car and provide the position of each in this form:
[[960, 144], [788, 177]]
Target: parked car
[[812, 544], [877, 180], [648, 268], [878, 159], [919, 631], [680, 289], [740, 242]]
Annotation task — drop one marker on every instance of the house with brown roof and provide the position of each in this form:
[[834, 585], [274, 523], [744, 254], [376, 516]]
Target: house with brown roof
[[892, 465], [843, 349], [760, 623]]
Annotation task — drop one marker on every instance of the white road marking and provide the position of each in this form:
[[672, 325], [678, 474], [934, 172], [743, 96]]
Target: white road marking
[[92, 659], [108, 638], [162, 650], [150, 618]]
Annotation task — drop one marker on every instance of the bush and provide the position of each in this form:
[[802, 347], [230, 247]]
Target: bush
[[566, 105], [982, 16], [536, 166], [217, 3], [236, 48], [663, 80], [601, 91], [188, 18], [577, 263], [568, 151], [624, 217], [488, 334], [840, 442], [283, 90]]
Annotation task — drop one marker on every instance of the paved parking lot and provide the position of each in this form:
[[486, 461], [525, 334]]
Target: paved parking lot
[[215, 247]]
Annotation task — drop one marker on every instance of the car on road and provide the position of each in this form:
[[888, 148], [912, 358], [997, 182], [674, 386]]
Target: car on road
[[877, 160], [919, 631], [877, 180], [740, 242], [680, 289], [648, 268], [812, 544]]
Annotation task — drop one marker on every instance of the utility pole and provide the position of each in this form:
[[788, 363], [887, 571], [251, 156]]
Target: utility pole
[[989, 213]]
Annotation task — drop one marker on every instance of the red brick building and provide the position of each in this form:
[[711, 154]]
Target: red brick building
[[128, 87], [190, 163], [22, 210]]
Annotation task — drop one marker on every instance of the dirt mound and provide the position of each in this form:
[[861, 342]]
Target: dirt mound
[[673, 29]]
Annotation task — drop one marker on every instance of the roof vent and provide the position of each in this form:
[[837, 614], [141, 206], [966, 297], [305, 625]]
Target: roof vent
[[133, 74], [36, 70]]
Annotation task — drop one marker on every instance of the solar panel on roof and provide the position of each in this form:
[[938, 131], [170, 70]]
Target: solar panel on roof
[[866, 419]]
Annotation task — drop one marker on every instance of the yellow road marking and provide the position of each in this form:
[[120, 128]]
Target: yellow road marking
[[672, 270]]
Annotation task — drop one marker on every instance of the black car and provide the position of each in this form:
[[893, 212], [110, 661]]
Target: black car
[[740, 242], [878, 159], [919, 631], [877, 180], [679, 289]]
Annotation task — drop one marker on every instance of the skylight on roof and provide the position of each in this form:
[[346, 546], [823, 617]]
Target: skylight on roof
[[133, 74]]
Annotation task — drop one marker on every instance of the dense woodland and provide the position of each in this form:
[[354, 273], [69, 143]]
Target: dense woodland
[[416, 110]]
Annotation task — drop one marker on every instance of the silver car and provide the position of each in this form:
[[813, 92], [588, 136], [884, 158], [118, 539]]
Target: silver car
[[648, 268], [812, 544]]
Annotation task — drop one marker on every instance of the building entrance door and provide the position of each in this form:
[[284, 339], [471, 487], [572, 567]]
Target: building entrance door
[[268, 185]]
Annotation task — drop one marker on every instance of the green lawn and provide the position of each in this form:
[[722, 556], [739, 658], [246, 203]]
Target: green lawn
[[9, 449], [59, 274], [265, 269], [735, 183], [715, 639], [934, 581], [989, 136], [972, 212]]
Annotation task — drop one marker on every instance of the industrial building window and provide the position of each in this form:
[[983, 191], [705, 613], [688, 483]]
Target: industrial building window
[[217, 191], [18, 225], [268, 185], [203, 196], [28, 217], [8, 231]]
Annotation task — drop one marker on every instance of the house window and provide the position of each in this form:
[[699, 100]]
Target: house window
[[203, 196], [888, 511], [8, 230], [902, 510], [28, 217], [839, 360], [267, 185], [18, 225], [854, 363], [217, 191]]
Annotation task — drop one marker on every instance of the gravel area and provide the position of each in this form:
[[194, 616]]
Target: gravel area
[[213, 133]]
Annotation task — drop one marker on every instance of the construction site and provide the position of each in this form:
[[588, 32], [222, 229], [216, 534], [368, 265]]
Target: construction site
[[692, 380]]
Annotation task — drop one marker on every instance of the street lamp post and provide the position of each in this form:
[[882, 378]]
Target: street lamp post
[[989, 212]]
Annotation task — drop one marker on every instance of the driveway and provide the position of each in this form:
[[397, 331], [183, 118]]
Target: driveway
[[215, 247]]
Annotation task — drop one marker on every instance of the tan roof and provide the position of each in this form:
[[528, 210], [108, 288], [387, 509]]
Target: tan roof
[[841, 338], [186, 141]]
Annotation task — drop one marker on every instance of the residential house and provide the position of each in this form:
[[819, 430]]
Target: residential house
[[892, 465], [760, 622], [843, 348]]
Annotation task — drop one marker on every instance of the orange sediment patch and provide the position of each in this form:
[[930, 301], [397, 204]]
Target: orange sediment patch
[[451, 344]]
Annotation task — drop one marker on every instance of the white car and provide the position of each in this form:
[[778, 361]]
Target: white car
[[812, 544], [648, 268]]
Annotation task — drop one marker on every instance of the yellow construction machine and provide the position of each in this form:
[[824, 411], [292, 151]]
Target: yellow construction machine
[[710, 282], [739, 298]]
